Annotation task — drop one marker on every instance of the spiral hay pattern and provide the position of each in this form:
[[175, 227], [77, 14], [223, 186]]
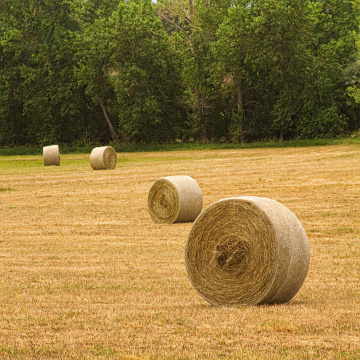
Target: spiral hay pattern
[[247, 251], [51, 155], [174, 199], [103, 158]]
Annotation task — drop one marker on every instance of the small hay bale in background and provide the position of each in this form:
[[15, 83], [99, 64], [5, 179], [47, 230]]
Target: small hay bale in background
[[247, 251], [51, 155], [103, 158], [174, 199]]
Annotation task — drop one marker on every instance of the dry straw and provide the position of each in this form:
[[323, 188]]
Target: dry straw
[[103, 158], [174, 199], [247, 251], [51, 155]]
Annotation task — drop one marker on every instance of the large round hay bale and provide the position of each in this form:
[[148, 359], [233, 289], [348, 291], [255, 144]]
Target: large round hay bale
[[51, 155], [175, 199], [247, 251], [103, 158]]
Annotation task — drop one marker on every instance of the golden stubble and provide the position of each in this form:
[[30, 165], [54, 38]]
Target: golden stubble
[[85, 272]]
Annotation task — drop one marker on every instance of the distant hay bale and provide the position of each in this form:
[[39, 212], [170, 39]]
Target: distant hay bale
[[175, 199], [51, 155], [103, 158], [247, 251]]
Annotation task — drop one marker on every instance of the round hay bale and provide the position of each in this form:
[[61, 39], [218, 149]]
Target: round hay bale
[[175, 199], [247, 251], [51, 155], [103, 158]]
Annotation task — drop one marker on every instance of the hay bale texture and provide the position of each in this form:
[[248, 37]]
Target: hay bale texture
[[51, 155], [247, 251], [174, 199], [103, 158]]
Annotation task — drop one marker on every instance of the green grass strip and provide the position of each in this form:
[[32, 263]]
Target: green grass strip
[[73, 149]]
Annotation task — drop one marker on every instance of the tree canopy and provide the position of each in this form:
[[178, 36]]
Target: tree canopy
[[90, 71]]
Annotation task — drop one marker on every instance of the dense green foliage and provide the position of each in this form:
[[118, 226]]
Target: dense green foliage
[[84, 72]]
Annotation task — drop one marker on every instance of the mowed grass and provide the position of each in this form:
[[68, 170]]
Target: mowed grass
[[85, 272]]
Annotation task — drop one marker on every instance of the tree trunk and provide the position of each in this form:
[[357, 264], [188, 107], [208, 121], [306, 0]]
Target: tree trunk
[[82, 107], [115, 139], [281, 136], [240, 108]]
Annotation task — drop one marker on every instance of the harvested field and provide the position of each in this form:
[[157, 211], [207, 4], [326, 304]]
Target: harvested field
[[86, 273]]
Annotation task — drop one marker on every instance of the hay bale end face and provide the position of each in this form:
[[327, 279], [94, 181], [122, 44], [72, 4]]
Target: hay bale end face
[[51, 155], [175, 199], [247, 251], [103, 158]]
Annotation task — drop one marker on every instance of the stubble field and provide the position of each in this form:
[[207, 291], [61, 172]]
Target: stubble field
[[85, 273]]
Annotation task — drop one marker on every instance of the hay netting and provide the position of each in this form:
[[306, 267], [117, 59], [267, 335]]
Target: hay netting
[[175, 199], [103, 158], [51, 155], [247, 251]]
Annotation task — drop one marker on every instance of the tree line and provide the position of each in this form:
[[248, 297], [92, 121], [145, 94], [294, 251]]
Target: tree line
[[100, 71]]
